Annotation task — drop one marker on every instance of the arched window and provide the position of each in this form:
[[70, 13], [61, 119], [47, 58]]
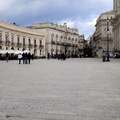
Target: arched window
[[12, 48], [57, 37], [52, 37], [69, 38]]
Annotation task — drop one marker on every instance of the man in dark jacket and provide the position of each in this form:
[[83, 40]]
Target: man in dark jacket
[[29, 57], [7, 56]]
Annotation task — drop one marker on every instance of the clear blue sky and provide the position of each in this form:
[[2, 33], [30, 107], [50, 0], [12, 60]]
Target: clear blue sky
[[81, 14]]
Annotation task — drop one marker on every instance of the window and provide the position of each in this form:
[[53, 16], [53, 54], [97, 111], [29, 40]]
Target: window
[[56, 37], [23, 41], [40, 52], [40, 42], [34, 42], [6, 37], [18, 40], [52, 37], [29, 41], [12, 38]]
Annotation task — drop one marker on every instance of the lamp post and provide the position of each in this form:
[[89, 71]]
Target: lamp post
[[108, 39]]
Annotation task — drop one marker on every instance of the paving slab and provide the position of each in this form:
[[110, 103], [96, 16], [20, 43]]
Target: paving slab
[[74, 89]]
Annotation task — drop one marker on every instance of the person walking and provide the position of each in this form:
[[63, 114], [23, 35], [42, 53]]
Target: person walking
[[32, 56], [23, 57], [26, 58], [20, 58], [7, 56], [48, 56], [29, 57]]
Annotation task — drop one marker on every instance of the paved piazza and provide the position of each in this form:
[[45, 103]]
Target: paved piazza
[[74, 89]]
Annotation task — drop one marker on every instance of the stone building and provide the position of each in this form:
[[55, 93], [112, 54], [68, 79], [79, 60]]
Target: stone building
[[101, 35], [59, 39], [116, 25], [19, 38], [81, 44]]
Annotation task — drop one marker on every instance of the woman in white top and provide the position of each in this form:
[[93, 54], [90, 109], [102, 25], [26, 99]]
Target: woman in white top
[[19, 58]]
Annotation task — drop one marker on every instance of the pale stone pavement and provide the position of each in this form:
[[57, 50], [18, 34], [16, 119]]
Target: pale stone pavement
[[75, 89]]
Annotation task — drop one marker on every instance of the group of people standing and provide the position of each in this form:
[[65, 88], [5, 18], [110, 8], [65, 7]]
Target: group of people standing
[[26, 57], [61, 56]]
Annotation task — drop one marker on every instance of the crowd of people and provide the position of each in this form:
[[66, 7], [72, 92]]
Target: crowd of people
[[26, 57], [61, 56]]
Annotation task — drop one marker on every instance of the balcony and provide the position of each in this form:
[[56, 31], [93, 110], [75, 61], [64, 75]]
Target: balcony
[[24, 45], [53, 42], [57, 43], [74, 45], [41, 46], [30, 45], [60, 43], [7, 43], [68, 44], [35, 46], [1, 42], [64, 43], [12, 44], [19, 45]]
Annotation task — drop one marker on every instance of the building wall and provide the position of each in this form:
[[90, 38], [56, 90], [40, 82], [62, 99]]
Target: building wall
[[59, 39], [19, 38], [116, 25], [101, 35], [81, 45], [116, 5]]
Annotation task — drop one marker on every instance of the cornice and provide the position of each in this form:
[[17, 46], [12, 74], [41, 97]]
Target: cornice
[[16, 28]]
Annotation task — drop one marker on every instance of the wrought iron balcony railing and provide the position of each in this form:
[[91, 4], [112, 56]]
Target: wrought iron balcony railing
[[41, 46]]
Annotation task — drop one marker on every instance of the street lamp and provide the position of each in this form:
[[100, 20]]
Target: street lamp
[[108, 39]]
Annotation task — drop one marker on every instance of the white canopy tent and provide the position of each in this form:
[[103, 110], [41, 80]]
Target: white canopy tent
[[13, 51]]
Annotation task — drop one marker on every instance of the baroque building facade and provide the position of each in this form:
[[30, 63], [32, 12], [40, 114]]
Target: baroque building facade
[[101, 35], [116, 25], [19, 38], [81, 45], [59, 38]]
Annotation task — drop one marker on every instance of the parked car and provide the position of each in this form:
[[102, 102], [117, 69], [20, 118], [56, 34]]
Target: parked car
[[117, 55]]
